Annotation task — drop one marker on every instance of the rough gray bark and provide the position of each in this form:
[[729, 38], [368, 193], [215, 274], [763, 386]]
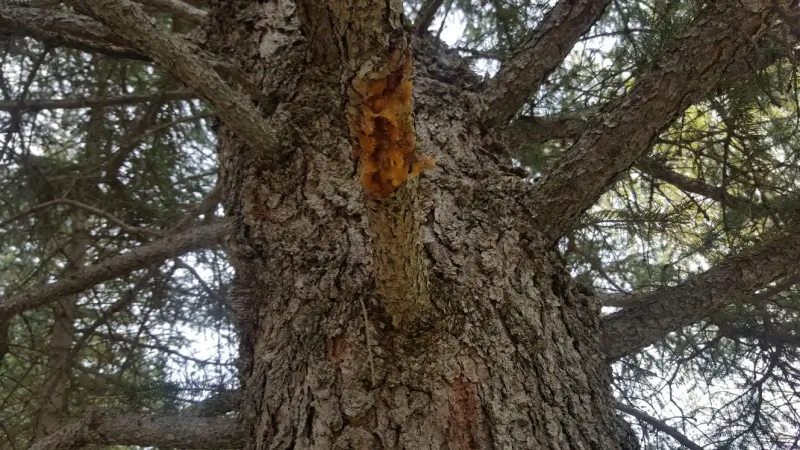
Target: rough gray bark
[[179, 9], [146, 430], [507, 357]]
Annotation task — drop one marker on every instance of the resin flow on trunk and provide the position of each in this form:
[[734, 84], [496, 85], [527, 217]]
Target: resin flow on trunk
[[380, 117]]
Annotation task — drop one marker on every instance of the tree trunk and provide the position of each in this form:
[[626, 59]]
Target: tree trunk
[[501, 350]]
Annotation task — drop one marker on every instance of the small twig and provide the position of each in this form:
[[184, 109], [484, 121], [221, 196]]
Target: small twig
[[34, 105], [369, 344], [96, 211]]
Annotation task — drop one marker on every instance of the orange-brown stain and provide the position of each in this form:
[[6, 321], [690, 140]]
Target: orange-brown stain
[[383, 126], [465, 418]]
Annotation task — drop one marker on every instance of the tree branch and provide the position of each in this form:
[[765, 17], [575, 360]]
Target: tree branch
[[219, 403], [547, 47], [179, 9], [189, 65], [671, 308], [76, 204], [535, 130], [147, 430], [540, 129], [426, 15], [688, 184], [777, 338], [618, 299], [139, 258], [204, 208], [659, 425], [89, 102], [60, 29], [531, 130], [628, 299], [691, 69]]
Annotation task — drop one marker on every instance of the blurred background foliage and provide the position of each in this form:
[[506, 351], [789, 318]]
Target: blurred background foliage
[[81, 181]]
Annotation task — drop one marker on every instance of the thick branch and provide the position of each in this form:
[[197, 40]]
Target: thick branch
[[60, 29], [550, 43], [181, 431], [139, 258], [628, 299], [533, 130], [187, 64], [660, 425], [690, 70], [671, 308]]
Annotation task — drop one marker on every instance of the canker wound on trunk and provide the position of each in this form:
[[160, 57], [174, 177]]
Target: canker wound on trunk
[[380, 119]]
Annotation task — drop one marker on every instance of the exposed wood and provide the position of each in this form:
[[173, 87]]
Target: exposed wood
[[374, 57]]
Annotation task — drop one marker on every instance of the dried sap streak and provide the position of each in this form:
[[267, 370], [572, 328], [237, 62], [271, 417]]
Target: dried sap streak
[[380, 118]]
